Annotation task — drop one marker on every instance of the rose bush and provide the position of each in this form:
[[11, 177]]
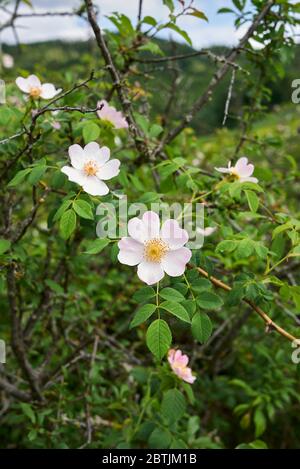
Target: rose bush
[[96, 358]]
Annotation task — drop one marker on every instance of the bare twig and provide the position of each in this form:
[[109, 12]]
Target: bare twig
[[217, 78], [271, 325]]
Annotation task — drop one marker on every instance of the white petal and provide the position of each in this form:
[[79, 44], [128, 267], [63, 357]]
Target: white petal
[[223, 170], [249, 179], [174, 262], [150, 272], [48, 91], [93, 151], [209, 230], [173, 235], [151, 224], [131, 251], [93, 186], [244, 169], [77, 156], [136, 229], [105, 154], [34, 81], [74, 175], [109, 170], [23, 84]]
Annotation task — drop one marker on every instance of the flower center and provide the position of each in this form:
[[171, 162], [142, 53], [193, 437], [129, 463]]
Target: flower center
[[35, 92], [234, 175], [90, 168], [155, 249]]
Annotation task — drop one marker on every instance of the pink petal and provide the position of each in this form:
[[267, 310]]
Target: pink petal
[[77, 156], [206, 231], [136, 229], [173, 235], [171, 355], [23, 84], [109, 170], [178, 354], [131, 251], [174, 262], [223, 170], [187, 376], [74, 175], [183, 360], [93, 186], [242, 167], [92, 150], [105, 154], [34, 81], [152, 224], [150, 272], [49, 91], [249, 179]]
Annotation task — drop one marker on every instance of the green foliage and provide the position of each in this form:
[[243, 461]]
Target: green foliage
[[98, 339]]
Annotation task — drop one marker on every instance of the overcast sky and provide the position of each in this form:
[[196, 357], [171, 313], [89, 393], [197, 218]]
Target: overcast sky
[[219, 29]]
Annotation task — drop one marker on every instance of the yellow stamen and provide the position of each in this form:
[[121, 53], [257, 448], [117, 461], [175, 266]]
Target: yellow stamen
[[35, 92], [155, 249], [90, 168]]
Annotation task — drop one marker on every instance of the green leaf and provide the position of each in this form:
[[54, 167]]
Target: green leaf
[[200, 285], [54, 286], [90, 132], [155, 130], [169, 4], [64, 206], [67, 223], [144, 294], [173, 405], [27, 410], [4, 245], [208, 300], [198, 14], [19, 177], [149, 20], [153, 48], [159, 338], [259, 422], [182, 33], [225, 10], [253, 201], [228, 245], [142, 315], [36, 174], [159, 439], [83, 209], [176, 309], [171, 294], [190, 306], [96, 246], [201, 327], [245, 248]]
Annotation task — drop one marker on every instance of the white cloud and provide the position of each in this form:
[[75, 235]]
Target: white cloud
[[219, 30]]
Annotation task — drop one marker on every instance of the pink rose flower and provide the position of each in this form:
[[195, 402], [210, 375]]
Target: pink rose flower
[[178, 362], [242, 171], [90, 167], [155, 251], [109, 113], [35, 89], [7, 61]]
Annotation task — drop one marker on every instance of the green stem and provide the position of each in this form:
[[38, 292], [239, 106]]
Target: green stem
[[189, 286]]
